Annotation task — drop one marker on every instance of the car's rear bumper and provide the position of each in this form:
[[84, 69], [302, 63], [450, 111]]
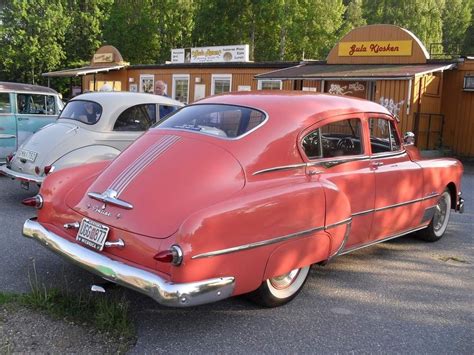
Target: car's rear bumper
[[21, 176], [150, 284]]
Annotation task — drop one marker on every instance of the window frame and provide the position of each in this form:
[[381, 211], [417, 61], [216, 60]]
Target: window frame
[[324, 122], [260, 82], [468, 77], [177, 77], [392, 123], [9, 103], [147, 76], [215, 77], [45, 96]]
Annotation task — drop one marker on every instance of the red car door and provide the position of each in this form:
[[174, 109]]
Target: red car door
[[398, 181]]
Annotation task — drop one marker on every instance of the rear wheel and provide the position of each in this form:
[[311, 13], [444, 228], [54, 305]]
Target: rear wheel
[[281, 289], [439, 222]]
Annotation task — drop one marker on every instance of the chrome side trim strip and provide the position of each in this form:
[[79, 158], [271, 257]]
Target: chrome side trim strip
[[280, 168], [269, 241], [388, 154], [382, 240], [257, 244], [427, 197], [161, 290], [328, 163], [337, 224]]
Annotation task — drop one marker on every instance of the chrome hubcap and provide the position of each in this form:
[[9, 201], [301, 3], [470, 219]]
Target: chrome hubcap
[[440, 213], [284, 281]]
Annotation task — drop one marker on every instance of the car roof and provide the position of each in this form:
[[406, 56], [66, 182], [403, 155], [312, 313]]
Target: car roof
[[113, 103], [304, 105], [112, 98], [20, 87]]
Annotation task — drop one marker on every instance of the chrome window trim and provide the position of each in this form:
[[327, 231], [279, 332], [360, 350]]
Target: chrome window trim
[[269, 241], [327, 163], [388, 154]]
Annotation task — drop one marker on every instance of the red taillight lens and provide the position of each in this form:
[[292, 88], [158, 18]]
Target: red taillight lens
[[35, 201], [9, 158], [37, 170], [173, 256], [48, 169]]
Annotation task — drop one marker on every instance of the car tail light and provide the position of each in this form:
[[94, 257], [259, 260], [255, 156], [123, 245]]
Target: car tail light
[[174, 255], [9, 158], [37, 170], [48, 169], [35, 201]]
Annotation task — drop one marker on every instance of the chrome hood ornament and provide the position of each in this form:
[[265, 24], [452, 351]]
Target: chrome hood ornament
[[110, 196]]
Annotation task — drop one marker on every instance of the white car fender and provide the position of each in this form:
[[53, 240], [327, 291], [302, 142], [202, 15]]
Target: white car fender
[[88, 154]]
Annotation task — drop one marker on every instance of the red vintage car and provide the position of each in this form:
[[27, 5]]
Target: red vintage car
[[241, 194]]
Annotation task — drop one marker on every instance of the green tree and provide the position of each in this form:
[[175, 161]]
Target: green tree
[[468, 46], [353, 17], [84, 34], [32, 38], [456, 20], [422, 17]]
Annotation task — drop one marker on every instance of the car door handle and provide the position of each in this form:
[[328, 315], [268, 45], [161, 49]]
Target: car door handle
[[7, 136], [376, 164]]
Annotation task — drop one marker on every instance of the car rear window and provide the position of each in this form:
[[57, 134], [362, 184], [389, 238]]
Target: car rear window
[[224, 121], [88, 112]]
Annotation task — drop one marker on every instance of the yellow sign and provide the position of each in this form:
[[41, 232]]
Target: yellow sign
[[103, 58], [375, 49]]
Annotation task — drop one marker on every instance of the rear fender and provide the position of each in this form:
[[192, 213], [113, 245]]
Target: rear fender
[[85, 155]]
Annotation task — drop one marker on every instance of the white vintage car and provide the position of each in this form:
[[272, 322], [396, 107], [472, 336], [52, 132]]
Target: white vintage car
[[92, 127]]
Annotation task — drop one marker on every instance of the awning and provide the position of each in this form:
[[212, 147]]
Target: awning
[[323, 71], [82, 71]]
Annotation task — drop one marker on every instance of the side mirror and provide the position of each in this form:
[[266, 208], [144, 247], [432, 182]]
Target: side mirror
[[409, 138]]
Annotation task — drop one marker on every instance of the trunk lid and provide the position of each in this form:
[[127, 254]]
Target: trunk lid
[[165, 177]]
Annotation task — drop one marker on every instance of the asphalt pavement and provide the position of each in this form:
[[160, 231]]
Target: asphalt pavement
[[401, 296]]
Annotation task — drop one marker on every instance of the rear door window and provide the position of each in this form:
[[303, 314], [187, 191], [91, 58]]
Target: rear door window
[[339, 138], [36, 104], [136, 118]]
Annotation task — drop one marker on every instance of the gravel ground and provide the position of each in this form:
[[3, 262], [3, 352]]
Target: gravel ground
[[25, 331]]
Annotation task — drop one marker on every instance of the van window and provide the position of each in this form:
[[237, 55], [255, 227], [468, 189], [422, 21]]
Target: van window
[[36, 104], [5, 106]]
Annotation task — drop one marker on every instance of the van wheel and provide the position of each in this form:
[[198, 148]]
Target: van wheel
[[439, 222], [281, 289]]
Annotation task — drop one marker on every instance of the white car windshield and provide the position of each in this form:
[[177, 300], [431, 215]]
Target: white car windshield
[[88, 112], [225, 121]]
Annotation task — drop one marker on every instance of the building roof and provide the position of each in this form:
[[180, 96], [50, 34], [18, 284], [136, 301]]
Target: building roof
[[321, 70], [83, 71], [276, 65]]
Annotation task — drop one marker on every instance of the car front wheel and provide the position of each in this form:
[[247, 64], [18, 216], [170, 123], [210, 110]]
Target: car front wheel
[[439, 222], [281, 289]]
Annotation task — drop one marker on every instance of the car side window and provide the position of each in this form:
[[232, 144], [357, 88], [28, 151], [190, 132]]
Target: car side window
[[383, 136], [35, 104], [135, 118], [340, 138], [5, 106]]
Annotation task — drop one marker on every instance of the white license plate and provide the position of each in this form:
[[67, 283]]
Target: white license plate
[[27, 155], [92, 234]]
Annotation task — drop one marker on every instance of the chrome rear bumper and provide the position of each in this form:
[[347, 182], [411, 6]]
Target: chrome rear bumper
[[20, 176], [162, 291]]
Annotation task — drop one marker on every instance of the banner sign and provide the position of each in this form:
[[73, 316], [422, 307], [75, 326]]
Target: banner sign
[[375, 49], [237, 53], [103, 58]]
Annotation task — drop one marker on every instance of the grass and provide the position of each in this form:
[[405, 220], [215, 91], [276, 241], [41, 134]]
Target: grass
[[106, 313]]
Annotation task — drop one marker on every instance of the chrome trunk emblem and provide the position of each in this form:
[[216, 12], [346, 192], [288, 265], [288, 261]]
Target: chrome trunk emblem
[[110, 196]]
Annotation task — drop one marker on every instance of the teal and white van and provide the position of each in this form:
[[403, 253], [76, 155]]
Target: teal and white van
[[24, 109]]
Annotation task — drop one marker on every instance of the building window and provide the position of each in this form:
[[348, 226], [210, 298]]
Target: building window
[[147, 83], [469, 83], [181, 87], [221, 83], [269, 85]]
